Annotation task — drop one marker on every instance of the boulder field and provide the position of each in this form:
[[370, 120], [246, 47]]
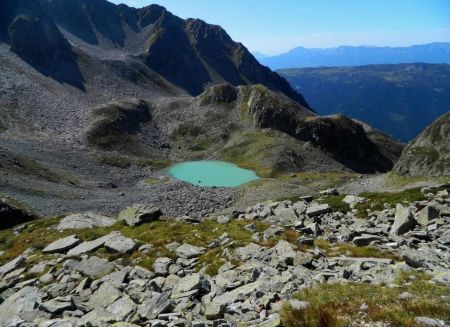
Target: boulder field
[[252, 275]]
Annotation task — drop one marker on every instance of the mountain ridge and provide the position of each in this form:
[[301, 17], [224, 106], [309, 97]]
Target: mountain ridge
[[190, 54], [437, 52]]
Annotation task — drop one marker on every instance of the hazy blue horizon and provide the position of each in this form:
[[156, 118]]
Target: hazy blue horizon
[[272, 27]]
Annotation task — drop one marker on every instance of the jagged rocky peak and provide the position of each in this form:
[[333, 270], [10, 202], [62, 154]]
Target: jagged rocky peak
[[429, 153], [190, 54], [150, 14]]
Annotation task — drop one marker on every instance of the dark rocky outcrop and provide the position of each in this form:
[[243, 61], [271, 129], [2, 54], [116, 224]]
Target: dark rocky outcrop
[[343, 138], [429, 153], [221, 93], [13, 213], [346, 141], [273, 110]]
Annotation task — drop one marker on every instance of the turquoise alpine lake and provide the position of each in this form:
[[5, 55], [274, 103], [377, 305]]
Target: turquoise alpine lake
[[212, 173]]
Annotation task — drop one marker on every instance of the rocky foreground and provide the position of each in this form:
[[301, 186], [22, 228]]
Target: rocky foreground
[[254, 268]]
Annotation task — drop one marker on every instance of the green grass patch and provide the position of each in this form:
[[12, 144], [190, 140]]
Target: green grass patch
[[426, 152], [158, 234], [336, 203], [123, 161], [188, 129], [26, 166], [352, 251], [334, 305], [376, 201], [252, 150], [155, 181]]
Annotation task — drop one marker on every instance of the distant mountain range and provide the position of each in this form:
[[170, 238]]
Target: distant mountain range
[[400, 100], [433, 53]]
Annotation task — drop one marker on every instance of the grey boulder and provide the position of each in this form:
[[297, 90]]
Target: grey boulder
[[427, 214], [58, 304], [88, 246], [92, 266], [153, 307], [139, 214], [84, 221], [404, 221], [12, 265], [193, 282], [188, 251]]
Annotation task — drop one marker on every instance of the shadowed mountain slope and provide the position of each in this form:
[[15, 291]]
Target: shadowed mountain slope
[[429, 153], [190, 53], [34, 37]]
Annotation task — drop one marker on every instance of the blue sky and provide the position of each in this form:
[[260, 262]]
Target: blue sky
[[275, 26]]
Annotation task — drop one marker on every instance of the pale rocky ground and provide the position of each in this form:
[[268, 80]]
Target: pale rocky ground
[[75, 286]]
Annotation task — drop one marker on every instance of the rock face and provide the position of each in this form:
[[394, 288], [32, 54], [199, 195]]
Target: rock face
[[11, 214], [346, 141], [429, 153], [342, 139]]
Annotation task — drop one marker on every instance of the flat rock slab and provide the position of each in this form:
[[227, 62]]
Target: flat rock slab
[[116, 242], [317, 209], [12, 265], [231, 297], [84, 221], [88, 246], [188, 251], [58, 304], [190, 283], [62, 245], [92, 266]]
